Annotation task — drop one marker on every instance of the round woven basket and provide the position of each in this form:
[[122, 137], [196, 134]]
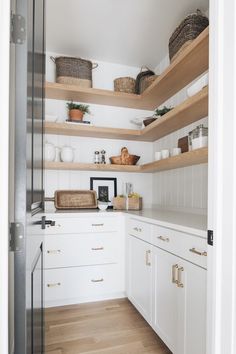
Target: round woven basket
[[124, 84]]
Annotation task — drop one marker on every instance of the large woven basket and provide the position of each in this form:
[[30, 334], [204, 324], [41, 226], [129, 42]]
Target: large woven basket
[[74, 71], [124, 84], [186, 32]]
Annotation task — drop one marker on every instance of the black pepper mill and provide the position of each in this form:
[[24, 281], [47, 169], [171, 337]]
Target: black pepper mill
[[103, 157]]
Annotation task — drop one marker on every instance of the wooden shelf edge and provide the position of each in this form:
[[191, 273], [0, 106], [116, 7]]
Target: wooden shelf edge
[[191, 63], [195, 157], [190, 158]]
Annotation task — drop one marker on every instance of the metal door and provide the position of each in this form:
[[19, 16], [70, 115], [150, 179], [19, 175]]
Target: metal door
[[28, 55]]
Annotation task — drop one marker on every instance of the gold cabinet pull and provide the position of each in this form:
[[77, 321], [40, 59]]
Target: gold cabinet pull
[[179, 281], [54, 251], [53, 285], [162, 238], [98, 224], [174, 278], [199, 253], [148, 263], [97, 280], [97, 248]]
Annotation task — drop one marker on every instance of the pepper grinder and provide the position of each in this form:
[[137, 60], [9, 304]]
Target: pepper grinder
[[103, 157], [96, 157]]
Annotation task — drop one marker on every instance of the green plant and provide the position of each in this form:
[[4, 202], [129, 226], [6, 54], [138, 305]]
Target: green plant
[[162, 111], [83, 108], [104, 199]]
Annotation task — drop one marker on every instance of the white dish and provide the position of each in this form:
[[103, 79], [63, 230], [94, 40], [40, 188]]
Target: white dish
[[102, 206], [198, 85]]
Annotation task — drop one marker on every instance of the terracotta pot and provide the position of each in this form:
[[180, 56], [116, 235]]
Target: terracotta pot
[[76, 115]]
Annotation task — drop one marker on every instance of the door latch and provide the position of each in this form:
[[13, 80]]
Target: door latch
[[16, 237], [45, 222]]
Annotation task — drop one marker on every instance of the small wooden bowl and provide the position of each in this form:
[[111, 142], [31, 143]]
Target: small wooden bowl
[[149, 121]]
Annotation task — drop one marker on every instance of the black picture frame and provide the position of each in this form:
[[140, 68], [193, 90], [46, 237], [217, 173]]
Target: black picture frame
[[103, 188]]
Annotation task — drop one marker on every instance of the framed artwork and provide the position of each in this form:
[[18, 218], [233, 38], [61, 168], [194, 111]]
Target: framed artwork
[[106, 188]]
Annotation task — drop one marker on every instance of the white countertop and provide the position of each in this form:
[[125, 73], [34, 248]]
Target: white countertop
[[195, 224]]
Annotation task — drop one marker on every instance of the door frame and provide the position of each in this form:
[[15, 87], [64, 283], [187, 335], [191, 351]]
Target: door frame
[[4, 168], [221, 322]]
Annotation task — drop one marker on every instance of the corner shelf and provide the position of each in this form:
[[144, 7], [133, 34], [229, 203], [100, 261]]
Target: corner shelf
[[188, 65], [190, 158], [191, 110]]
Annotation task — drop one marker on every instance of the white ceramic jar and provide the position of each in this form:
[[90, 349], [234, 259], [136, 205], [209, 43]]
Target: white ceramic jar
[[49, 152], [67, 154]]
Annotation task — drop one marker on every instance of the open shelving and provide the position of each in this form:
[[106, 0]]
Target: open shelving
[[191, 110], [191, 63], [190, 158]]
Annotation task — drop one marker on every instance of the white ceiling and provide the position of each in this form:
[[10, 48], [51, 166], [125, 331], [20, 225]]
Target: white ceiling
[[130, 32]]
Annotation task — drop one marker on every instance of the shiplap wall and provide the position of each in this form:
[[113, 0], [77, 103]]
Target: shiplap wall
[[84, 147], [184, 188]]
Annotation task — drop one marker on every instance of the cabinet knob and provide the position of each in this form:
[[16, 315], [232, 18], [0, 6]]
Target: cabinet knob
[[148, 263], [174, 273], [138, 229], [162, 238], [199, 253]]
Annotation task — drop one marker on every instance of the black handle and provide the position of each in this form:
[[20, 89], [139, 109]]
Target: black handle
[[45, 222]]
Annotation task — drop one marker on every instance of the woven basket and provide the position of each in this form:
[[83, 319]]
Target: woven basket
[[141, 79], [186, 32], [74, 71], [124, 84], [134, 203], [75, 199], [146, 82]]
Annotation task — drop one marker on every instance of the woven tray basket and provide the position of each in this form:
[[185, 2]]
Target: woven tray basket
[[186, 32], [124, 84], [74, 71], [75, 199]]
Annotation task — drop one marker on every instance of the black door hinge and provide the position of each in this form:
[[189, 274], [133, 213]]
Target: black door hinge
[[210, 237]]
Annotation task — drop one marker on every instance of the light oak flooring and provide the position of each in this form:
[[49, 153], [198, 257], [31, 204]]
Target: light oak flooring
[[106, 327]]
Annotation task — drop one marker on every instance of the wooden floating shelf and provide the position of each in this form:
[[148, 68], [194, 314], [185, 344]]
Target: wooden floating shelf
[[191, 110], [187, 66], [190, 158]]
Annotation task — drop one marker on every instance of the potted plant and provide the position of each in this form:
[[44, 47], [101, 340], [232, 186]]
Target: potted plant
[[103, 203], [162, 111], [77, 111]]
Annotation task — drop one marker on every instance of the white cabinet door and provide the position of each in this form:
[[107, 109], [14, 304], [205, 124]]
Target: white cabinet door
[[139, 275], [192, 309], [165, 297]]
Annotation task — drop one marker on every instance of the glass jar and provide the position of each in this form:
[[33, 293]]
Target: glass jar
[[199, 137], [96, 157]]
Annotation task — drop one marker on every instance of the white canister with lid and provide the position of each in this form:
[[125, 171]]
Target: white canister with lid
[[199, 137], [49, 152], [67, 154]]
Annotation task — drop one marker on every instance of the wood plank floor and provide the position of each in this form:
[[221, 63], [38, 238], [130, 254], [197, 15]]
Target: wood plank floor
[[106, 327]]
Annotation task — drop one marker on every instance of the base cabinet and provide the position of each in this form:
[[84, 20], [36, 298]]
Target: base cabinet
[[179, 303], [139, 276]]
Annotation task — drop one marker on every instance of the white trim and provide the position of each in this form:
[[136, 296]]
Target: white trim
[[222, 179], [4, 157]]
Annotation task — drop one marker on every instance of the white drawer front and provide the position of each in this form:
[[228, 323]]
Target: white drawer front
[[77, 250], [82, 283], [189, 247], [82, 225], [140, 229]]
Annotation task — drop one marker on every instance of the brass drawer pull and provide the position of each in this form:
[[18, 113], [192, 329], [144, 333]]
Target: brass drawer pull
[[97, 249], [97, 280], [162, 238], [97, 224], [179, 281], [53, 285], [199, 253], [54, 251], [174, 269], [148, 263]]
